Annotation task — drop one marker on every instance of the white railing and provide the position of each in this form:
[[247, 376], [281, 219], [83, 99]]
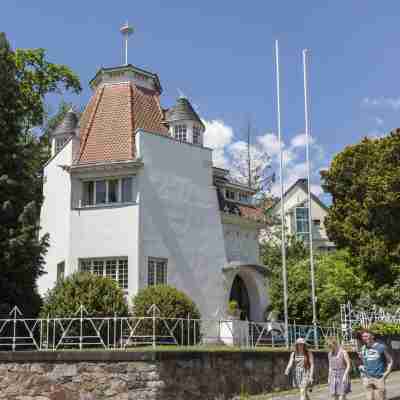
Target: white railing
[[354, 317], [82, 331]]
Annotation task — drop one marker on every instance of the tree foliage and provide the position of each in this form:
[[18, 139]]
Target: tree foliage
[[171, 302], [364, 182], [99, 295], [337, 282], [25, 78]]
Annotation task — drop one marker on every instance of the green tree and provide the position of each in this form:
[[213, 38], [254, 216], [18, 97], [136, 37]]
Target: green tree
[[25, 79], [364, 182], [337, 282]]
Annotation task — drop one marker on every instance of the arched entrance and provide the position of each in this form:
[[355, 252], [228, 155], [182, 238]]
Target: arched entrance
[[240, 294]]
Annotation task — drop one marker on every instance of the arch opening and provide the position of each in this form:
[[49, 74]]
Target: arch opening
[[240, 294]]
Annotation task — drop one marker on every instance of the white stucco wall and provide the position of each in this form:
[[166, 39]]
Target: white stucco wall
[[54, 218], [241, 244], [105, 231], [180, 219]]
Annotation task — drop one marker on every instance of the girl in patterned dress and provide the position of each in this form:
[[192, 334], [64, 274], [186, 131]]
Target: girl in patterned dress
[[339, 370], [301, 368]]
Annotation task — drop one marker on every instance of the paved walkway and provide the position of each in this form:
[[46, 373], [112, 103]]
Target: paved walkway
[[321, 393]]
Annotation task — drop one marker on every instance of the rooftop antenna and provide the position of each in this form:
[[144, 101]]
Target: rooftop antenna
[[126, 31]]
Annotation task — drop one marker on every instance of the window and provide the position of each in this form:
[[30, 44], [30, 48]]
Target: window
[[302, 222], [180, 133], [244, 197], [126, 189], [114, 268], [230, 194], [316, 222], [60, 271], [157, 271], [196, 135], [107, 191], [113, 191], [60, 143], [101, 192], [88, 193]]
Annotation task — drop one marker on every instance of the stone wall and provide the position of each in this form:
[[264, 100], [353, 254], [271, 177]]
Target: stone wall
[[93, 375]]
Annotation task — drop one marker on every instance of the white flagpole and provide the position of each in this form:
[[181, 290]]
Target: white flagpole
[[310, 235], [283, 241]]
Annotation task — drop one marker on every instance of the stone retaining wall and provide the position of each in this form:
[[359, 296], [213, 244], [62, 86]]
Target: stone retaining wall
[[95, 375]]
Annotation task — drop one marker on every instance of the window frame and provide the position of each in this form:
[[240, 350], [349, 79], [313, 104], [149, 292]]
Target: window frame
[[60, 272], [93, 201], [234, 192], [59, 143], [181, 133], [157, 277], [303, 235], [121, 268], [196, 133]]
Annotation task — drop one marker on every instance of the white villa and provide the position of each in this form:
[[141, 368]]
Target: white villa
[[296, 215], [131, 193]]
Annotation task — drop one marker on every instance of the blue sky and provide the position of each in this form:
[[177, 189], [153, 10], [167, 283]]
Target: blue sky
[[220, 55]]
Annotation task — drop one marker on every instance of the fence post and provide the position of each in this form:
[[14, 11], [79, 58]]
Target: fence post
[[188, 332], [115, 331], [154, 310], [81, 327], [14, 328]]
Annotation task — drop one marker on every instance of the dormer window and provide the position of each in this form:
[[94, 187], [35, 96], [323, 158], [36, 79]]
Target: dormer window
[[196, 134], [60, 143], [180, 132]]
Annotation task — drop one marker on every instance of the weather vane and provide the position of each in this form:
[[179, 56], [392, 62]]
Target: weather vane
[[126, 31]]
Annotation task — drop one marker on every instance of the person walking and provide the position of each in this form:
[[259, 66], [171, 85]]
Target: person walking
[[376, 366], [301, 368], [339, 370]]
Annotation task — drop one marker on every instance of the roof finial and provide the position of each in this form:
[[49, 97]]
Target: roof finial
[[181, 94], [126, 31]]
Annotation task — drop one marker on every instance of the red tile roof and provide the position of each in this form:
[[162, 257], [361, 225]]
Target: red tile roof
[[112, 116], [251, 212]]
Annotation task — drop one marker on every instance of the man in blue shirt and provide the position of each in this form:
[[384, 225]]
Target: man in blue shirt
[[377, 365]]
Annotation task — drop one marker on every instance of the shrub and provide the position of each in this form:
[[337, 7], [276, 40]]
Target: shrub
[[100, 296], [173, 304]]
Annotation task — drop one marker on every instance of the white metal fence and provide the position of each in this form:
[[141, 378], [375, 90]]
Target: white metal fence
[[354, 317], [82, 331]]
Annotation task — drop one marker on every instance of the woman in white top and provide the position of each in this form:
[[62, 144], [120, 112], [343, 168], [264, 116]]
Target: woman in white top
[[301, 368]]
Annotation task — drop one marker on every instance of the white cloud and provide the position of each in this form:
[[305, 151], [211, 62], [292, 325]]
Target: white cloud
[[379, 121], [269, 142], [218, 136], [300, 140], [382, 102], [231, 154]]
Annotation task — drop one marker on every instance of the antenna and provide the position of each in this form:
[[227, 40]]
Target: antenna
[[126, 31]]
